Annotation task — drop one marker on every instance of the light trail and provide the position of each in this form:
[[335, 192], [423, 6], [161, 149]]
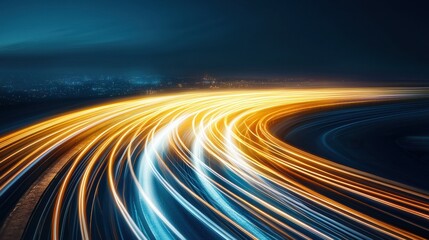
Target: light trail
[[205, 164]]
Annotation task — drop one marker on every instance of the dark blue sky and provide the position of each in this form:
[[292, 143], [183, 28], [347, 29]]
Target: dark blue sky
[[389, 39]]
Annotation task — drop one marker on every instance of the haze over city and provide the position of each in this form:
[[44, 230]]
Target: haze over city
[[214, 119]]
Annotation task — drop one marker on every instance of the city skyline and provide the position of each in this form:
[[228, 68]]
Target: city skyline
[[216, 119]]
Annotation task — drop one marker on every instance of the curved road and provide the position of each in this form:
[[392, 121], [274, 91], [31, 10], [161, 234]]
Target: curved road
[[198, 165]]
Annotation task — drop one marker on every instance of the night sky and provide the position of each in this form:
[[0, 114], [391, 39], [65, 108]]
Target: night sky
[[386, 39]]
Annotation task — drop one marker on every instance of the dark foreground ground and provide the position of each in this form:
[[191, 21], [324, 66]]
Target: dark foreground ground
[[390, 140]]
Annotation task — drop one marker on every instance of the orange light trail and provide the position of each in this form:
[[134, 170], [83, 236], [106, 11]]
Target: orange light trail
[[174, 166]]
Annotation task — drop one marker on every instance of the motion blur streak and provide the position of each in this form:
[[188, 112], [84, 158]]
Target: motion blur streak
[[205, 164]]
